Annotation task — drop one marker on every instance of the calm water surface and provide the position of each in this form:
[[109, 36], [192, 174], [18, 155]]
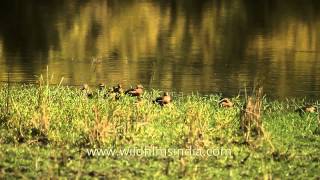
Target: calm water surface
[[204, 46]]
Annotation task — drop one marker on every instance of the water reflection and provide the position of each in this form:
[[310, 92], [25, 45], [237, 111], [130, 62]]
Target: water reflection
[[206, 46]]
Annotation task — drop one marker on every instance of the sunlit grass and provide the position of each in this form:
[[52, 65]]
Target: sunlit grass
[[44, 130]]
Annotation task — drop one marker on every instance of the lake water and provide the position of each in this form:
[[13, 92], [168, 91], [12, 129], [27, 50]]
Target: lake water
[[206, 46]]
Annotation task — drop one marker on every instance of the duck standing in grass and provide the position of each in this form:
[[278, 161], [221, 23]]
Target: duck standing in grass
[[118, 89], [309, 108], [137, 91], [115, 92], [226, 102], [101, 86], [86, 91], [164, 99], [102, 91]]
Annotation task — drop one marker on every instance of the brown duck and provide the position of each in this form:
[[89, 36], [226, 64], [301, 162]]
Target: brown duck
[[101, 86], [117, 89], [164, 99], [115, 92], [307, 109], [137, 91], [225, 102], [86, 90]]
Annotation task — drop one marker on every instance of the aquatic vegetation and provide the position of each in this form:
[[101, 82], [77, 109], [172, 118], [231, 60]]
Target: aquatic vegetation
[[48, 131]]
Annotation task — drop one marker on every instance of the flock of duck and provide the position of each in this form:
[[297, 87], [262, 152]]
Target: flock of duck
[[116, 92]]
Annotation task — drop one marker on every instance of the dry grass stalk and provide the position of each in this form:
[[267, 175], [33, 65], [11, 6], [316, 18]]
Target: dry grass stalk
[[100, 130], [250, 118], [194, 135], [42, 120]]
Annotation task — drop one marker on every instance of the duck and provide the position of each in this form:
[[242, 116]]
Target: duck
[[86, 90], [101, 86], [115, 92], [137, 91], [164, 99], [117, 89], [309, 108], [226, 102]]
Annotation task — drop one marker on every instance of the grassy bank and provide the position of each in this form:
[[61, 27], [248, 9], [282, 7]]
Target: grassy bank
[[46, 131]]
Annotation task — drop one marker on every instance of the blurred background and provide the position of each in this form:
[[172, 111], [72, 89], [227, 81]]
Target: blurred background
[[207, 46]]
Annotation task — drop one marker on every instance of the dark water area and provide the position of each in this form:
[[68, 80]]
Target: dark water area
[[208, 46]]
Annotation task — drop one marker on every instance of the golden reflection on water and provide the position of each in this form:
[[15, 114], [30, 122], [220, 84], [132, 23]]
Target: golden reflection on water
[[207, 47]]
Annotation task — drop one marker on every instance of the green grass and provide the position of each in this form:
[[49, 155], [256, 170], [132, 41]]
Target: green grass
[[46, 130]]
